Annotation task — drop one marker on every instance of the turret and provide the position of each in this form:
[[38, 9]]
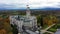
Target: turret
[[28, 11]]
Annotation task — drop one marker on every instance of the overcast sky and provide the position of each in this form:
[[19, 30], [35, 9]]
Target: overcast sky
[[32, 3]]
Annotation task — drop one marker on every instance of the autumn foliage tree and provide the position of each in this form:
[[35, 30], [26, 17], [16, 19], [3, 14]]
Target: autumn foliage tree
[[3, 31], [5, 27], [49, 20]]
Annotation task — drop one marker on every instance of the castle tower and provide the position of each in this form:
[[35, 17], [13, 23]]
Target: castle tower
[[28, 11]]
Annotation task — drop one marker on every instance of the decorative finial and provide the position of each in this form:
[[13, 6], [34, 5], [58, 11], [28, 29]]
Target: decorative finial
[[27, 6]]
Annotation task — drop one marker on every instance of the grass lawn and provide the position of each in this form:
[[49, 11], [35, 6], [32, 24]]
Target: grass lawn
[[58, 26], [45, 26], [53, 29], [46, 33]]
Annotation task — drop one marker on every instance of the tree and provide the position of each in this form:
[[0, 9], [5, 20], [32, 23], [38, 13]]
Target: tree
[[15, 30], [10, 33], [1, 25], [49, 20], [7, 27], [40, 20], [3, 31]]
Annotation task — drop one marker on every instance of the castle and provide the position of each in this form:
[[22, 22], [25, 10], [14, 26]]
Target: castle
[[26, 20]]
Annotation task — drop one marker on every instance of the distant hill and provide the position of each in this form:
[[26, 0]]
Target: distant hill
[[31, 9], [50, 9]]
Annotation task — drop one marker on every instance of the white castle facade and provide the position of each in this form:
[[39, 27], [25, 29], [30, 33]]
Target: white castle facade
[[20, 20]]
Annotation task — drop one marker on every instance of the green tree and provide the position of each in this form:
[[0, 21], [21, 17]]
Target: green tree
[[15, 31], [40, 20]]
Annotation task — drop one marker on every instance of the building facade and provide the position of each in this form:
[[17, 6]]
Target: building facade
[[20, 20]]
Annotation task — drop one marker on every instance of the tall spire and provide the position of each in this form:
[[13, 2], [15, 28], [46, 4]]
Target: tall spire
[[28, 11]]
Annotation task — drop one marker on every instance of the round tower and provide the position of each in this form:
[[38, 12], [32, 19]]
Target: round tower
[[28, 11]]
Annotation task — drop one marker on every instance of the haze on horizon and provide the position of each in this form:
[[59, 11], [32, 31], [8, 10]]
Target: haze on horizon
[[19, 4]]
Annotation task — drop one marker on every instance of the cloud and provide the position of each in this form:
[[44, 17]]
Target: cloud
[[32, 3]]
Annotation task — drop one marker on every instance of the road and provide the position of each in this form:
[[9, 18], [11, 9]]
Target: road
[[58, 31]]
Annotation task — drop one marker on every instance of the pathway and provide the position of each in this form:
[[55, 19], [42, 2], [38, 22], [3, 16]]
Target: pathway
[[43, 31]]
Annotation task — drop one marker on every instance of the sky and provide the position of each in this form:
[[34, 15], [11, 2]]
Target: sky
[[19, 4]]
